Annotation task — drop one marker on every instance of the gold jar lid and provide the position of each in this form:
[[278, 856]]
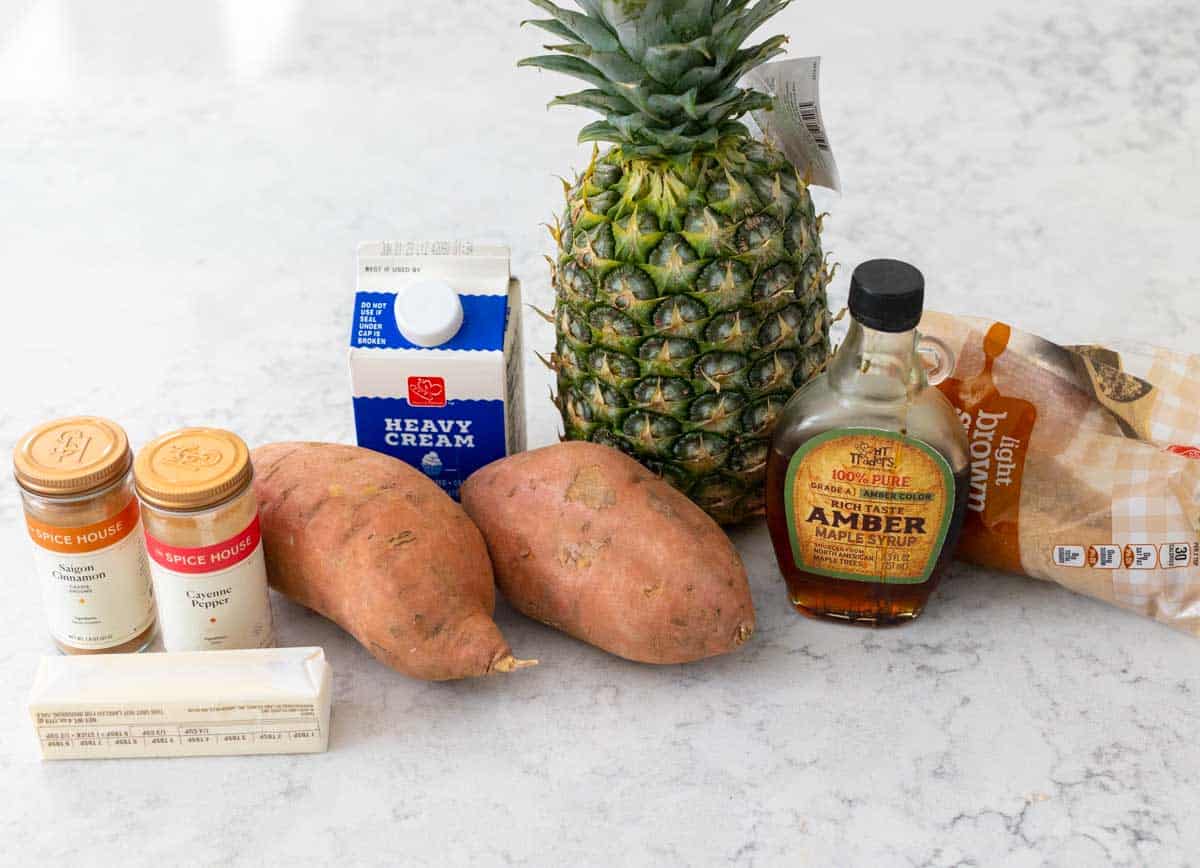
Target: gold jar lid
[[192, 469], [71, 456]]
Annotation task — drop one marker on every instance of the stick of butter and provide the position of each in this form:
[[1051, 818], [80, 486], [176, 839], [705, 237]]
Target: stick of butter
[[207, 703]]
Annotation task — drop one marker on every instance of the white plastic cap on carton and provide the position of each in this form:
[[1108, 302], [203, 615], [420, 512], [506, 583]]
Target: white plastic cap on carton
[[428, 314]]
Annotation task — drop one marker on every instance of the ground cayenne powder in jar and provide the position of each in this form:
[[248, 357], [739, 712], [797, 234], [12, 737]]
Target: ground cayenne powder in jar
[[82, 515], [204, 542]]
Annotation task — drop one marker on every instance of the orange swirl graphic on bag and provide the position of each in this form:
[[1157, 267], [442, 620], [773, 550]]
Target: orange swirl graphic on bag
[[89, 538], [998, 428]]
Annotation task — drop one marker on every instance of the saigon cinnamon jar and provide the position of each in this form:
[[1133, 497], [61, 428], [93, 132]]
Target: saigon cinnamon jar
[[204, 542], [84, 520]]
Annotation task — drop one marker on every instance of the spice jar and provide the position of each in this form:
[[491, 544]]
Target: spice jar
[[204, 542], [82, 515]]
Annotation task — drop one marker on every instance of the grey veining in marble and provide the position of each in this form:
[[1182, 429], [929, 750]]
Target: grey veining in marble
[[181, 189]]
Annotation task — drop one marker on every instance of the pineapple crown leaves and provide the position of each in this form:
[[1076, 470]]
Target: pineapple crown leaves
[[663, 73]]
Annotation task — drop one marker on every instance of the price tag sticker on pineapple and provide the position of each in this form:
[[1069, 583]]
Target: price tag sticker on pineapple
[[796, 126]]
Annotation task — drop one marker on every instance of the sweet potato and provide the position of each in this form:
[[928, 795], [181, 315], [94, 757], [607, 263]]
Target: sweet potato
[[585, 539], [376, 547]]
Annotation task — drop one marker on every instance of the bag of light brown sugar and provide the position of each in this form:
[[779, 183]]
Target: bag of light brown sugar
[[1084, 464]]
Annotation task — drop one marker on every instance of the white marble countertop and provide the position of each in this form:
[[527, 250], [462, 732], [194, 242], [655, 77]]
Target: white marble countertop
[[181, 189]]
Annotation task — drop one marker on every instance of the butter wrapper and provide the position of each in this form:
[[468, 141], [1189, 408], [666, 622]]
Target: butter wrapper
[[207, 703]]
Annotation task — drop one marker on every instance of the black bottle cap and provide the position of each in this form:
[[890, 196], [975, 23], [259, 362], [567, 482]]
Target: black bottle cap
[[887, 295]]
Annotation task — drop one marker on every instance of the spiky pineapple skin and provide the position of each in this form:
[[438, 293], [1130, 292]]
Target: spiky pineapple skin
[[690, 304]]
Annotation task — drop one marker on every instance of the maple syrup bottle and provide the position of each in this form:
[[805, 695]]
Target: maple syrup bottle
[[867, 474]]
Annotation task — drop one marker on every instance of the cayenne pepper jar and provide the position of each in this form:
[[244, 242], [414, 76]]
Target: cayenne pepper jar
[[83, 518], [204, 541]]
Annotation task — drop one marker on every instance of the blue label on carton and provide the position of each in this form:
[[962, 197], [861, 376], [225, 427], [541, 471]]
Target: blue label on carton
[[447, 443], [482, 328]]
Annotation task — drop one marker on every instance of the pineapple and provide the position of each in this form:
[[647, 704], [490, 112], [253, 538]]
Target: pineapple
[[690, 283]]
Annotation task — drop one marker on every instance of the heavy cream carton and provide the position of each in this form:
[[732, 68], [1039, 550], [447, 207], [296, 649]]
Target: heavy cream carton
[[435, 356]]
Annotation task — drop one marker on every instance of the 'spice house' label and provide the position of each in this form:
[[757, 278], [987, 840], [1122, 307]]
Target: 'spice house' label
[[868, 505], [212, 597], [451, 409], [95, 579]]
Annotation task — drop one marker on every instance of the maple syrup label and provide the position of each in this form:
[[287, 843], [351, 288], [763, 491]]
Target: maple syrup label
[[868, 505]]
